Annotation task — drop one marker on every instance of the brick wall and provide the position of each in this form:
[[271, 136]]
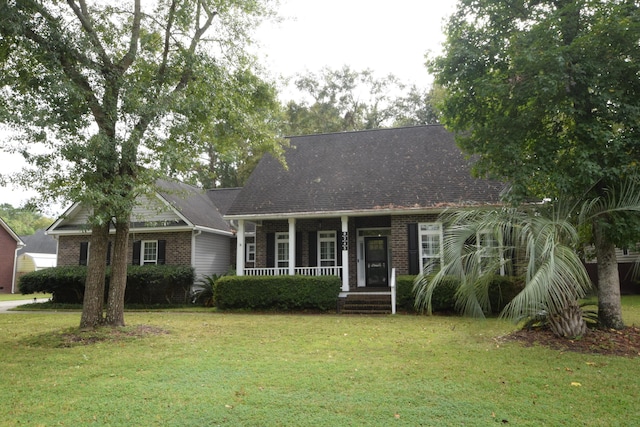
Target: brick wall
[[399, 239], [178, 249], [8, 247]]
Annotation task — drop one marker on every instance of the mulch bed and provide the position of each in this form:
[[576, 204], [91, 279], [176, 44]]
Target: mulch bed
[[625, 342]]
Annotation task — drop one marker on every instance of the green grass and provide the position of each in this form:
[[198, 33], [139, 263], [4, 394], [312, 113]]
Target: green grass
[[304, 370], [18, 297]]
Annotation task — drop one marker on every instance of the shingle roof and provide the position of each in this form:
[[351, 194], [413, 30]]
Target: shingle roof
[[223, 198], [39, 243], [386, 169], [194, 204]]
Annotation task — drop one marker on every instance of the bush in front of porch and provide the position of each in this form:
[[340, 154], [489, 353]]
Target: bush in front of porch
[[277, 292], [502, 290]]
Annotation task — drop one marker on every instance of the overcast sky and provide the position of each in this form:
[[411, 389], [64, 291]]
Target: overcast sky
[[386, 37]]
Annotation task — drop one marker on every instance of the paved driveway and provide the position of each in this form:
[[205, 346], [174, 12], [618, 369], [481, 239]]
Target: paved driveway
[[6, 305]]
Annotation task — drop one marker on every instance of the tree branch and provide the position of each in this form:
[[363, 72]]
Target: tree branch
[[82, 13], [130, 56]]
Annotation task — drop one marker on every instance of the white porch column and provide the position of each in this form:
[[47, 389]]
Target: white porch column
[[345, 253], [292, 246], [240, 248]]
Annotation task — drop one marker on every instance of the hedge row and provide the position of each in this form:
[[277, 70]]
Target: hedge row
[[148, 284], [277, 292], [501, 291]]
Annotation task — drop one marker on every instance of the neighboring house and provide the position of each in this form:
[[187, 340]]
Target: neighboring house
[[628, 265], [39, 251], [356, 205], [180, 225], [9, 245]]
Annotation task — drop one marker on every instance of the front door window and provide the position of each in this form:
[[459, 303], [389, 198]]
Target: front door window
[[376, 261]]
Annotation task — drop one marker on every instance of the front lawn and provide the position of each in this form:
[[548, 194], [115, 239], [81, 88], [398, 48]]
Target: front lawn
[[187, 369]]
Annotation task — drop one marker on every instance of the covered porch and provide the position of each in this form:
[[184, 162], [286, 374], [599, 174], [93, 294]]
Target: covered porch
[[356, 249]]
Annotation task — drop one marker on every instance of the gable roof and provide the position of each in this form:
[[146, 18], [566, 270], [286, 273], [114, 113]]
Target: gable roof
[[189, 206], [383, 170], [195, 205]]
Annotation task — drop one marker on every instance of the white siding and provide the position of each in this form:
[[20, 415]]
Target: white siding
[[630, 256], [147, 209], [212, 254], [151, 209], [81, 217]]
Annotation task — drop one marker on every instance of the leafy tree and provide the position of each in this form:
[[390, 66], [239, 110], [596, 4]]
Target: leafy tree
[[417, 107], [545, 95], [347, 100], [236, 141], [23, 221], [108, 96]]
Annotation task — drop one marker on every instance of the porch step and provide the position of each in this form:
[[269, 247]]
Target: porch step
[[365, 304]]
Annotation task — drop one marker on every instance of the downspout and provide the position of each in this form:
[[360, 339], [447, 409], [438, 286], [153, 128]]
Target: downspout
[[15, 267], [195, 234]]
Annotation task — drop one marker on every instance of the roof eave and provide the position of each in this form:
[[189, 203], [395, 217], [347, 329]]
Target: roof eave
[[361, 212]]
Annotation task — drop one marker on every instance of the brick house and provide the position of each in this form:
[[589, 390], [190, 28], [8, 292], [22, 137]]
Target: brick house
[[180, 225], [356, 205], [10, 243]]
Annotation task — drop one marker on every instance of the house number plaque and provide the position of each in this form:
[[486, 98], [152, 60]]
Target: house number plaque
[[345, 240]]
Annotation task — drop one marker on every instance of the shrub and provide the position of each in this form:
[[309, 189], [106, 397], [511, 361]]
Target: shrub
[[277, 292], [202, 290], [158, 284], [443, 298], [502, 290], [149, 284], [65, 283]]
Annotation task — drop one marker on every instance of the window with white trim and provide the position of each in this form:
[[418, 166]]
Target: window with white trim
[[251, 252], [489, 251], [430, 239], [326, 248], [282, 250], [149, 251]]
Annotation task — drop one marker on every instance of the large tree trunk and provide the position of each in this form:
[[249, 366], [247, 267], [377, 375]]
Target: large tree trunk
[[609, 304], [93, 302], [118, 284]]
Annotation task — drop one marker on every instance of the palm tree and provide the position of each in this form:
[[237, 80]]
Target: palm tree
[[536, 242]]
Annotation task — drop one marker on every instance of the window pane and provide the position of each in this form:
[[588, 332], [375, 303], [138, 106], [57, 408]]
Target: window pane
[[150, 253], [282, 249], [430, 238], [327, 248]]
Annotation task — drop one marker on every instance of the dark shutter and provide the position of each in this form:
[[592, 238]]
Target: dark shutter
[[84, 252], [299, 248], [413, 252], [313, 248], [109, 254], [162, 244], [338, 248], [271, 248], [137, 245]]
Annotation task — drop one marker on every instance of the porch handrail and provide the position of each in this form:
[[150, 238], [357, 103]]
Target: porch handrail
[[304, 271], [393, 290]]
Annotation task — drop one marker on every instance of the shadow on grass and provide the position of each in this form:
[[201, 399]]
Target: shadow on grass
[[74, 337]]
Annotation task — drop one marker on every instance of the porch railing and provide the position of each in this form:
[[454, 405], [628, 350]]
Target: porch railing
[[304, 271]]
